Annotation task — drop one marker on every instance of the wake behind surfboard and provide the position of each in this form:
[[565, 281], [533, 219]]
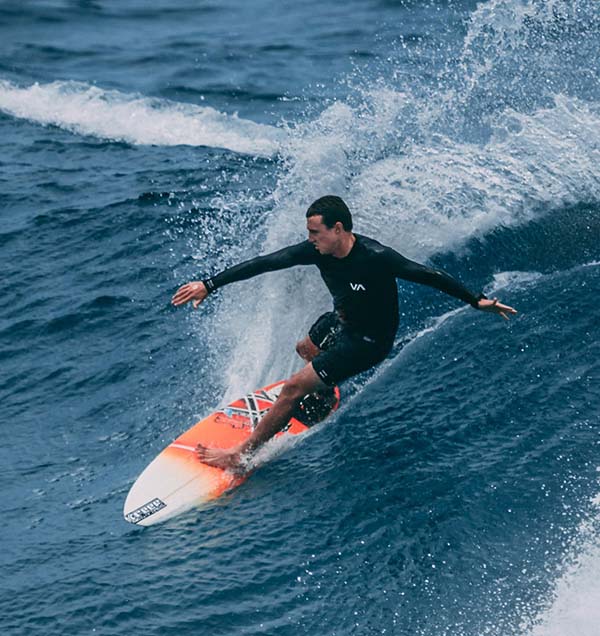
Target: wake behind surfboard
[[177, 480]]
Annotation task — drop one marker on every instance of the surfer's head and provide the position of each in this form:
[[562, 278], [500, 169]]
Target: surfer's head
[[329, 225], [333, 210]]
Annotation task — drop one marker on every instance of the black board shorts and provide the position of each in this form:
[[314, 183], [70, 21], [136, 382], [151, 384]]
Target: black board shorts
[[343, 353]]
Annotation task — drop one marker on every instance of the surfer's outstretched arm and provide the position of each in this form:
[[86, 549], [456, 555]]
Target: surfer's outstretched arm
[[300, 254], [417, 273]]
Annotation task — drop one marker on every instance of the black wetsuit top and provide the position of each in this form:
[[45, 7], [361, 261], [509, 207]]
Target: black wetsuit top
[[363, 283]]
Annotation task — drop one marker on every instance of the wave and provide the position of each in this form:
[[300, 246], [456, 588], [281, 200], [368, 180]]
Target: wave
[[573, 607], [447, 192], [518, 54], [398, 153], [429, 199], [89, 110]]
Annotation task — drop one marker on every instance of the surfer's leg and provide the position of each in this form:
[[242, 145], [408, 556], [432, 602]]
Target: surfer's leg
[[320, 336], [301, 383], [307, 349]]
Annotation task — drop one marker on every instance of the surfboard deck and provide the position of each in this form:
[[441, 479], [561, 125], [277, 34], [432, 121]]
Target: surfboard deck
[[177, 481]]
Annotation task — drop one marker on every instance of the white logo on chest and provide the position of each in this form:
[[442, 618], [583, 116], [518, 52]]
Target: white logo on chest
[[357, 287]]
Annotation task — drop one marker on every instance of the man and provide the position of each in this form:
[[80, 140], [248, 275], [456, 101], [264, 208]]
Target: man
[[360, 274]]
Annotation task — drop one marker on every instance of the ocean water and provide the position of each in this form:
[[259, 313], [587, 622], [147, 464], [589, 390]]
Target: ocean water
[[144, 144]]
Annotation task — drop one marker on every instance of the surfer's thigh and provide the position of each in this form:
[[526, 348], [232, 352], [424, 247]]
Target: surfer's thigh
[[348, 356], [324, 332], [304, 381]]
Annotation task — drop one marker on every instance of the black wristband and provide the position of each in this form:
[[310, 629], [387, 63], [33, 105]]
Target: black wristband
[[209, 284], [477, 299]]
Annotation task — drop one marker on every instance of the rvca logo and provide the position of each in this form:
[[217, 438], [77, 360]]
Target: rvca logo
[[357, 287]]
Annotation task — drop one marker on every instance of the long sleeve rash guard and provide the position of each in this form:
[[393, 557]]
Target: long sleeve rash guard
[[363, 284]]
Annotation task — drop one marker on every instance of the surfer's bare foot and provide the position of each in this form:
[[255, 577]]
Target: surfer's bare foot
[[224, 458]]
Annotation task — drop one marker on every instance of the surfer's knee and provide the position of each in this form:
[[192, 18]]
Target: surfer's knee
[[306, 349], [293, 390]]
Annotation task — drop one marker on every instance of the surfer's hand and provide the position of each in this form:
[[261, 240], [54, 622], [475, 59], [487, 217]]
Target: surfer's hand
[[225, 458], [195, 291], [494, 307]]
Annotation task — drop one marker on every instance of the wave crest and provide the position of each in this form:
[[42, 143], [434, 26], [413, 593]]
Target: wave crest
[[89, 110]]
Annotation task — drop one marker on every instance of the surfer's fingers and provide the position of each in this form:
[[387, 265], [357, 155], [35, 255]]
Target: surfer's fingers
[[180, 294], [198, 298], [188, 292], [181, 300], [184, 295], [506, 309]]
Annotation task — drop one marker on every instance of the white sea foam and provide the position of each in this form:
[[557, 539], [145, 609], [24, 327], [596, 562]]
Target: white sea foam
[[512, 279], [422, 200], [411, 181], [433, 198], [89, 110], [573, 609]]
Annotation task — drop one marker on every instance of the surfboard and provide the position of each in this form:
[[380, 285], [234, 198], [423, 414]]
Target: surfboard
[[177, 481]]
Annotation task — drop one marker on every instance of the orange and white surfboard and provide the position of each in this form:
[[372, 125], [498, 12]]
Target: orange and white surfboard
[[177, 480]]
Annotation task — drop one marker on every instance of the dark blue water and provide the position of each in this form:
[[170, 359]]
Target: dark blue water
[[146, 144]]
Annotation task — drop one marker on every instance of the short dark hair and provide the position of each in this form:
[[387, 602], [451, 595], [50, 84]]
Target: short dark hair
[[332, 209]]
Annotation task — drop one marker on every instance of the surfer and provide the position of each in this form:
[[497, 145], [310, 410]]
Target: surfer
[[360, 274]]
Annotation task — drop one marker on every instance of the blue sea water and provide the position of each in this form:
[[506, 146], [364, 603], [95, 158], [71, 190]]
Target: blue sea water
[[145, 144]]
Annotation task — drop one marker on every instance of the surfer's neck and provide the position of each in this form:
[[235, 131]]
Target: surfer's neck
[[345, 245]]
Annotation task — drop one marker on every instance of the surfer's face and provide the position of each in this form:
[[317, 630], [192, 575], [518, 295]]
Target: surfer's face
[[325, 239]]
